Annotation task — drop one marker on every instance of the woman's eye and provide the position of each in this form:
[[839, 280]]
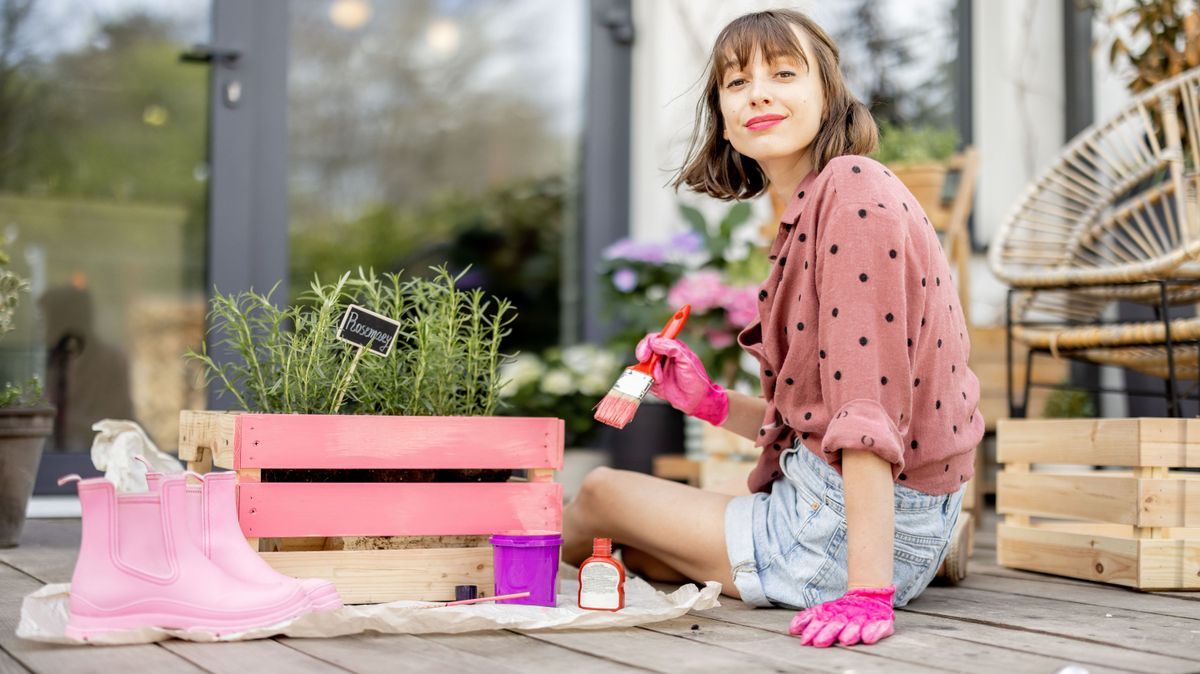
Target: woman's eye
[[734, 82], [788, 73]]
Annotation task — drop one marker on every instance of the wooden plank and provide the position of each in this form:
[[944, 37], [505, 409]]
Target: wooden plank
[[1173, 443], [10, 665], [1132, 630], [916, 637], [206, 437], [1016, 646], [346, 441], [396, 653], [769, 641], [536, 657], [1101, 495], [663, 653], [41, 657], [374, 576], [284, 509], [236, 657], [1086, 592], [47, 551], [1146, 564]]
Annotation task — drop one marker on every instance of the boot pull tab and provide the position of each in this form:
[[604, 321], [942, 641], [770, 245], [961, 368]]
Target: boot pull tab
[[142, 460], [68, 478]]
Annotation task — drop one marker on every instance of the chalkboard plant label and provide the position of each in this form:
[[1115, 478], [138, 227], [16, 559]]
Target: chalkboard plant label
[[366, 328]]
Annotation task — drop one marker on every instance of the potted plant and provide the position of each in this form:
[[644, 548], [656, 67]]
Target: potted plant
[[384, 472], [918, 156], [25, 421]]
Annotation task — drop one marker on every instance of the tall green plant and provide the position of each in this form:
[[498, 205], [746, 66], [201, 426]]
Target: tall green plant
[[288, 360]]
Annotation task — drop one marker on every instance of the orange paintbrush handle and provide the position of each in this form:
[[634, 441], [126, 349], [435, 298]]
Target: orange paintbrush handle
[[670, 331]]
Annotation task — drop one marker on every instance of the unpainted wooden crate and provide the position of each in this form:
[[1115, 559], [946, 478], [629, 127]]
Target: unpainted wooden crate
[[303, 529], [1123, 517]]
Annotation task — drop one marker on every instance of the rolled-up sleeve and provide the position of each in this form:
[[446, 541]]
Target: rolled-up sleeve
[[864, 331]]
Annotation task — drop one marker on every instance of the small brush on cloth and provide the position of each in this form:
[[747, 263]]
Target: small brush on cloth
[[618, 407]]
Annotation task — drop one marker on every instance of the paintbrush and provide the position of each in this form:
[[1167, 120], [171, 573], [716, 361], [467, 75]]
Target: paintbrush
[[479, 600], [618, 407]]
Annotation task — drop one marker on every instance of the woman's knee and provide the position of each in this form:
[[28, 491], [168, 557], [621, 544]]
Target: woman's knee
[[597, 483]]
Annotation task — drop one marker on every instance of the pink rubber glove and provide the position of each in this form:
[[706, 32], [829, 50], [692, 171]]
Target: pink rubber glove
[[680, 379], [863, 614]]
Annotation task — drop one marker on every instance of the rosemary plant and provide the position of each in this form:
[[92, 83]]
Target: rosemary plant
[[288, 360]]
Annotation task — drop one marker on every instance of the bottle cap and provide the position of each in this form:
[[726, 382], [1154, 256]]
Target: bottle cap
[[464, 592], [602, 547]]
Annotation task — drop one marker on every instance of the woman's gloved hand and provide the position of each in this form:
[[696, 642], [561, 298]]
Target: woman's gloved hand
[[680, 379], [862, 614]]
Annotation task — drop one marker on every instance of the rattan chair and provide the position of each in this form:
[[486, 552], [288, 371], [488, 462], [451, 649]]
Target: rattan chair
[[1116, 217]]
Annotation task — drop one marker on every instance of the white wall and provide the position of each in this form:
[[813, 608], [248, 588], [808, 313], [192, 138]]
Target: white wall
[[673, 41], [1019, 105]]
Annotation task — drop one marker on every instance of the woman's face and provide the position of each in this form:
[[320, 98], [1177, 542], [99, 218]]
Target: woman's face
[[772, 110]]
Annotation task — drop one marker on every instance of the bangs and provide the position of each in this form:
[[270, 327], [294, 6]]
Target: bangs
[[767, 33]]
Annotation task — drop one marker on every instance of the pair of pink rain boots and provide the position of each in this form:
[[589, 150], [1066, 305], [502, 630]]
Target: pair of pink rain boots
[[174, 557]]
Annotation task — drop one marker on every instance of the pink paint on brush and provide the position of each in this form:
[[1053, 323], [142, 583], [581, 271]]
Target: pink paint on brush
[[618, 407], [288, 509]]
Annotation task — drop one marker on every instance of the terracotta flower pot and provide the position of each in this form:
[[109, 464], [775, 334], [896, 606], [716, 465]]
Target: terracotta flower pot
[[23, 433]]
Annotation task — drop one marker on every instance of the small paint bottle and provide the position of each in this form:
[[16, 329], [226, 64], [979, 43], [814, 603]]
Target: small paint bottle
[[601, 579]]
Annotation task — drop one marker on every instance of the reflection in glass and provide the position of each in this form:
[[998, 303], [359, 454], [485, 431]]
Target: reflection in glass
[[102, 207], [426, 132]]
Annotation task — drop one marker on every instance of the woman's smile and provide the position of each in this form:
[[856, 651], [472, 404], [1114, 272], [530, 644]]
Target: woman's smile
[[763, 122]]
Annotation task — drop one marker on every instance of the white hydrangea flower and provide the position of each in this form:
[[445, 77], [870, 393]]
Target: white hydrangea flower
[[558, 382], [580, 358], [594, 384], [523, 369]]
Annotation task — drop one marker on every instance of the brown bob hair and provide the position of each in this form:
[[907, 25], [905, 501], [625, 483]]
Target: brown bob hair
[[712, 165]]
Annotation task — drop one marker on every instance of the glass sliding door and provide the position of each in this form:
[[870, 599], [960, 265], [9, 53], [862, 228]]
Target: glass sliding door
[[103, 203], [438, 131]]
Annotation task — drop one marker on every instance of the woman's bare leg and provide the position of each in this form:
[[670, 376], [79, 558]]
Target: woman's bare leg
[[678, 526]]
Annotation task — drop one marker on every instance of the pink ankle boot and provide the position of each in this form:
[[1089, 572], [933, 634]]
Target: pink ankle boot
[[212, 514], [138, 567]]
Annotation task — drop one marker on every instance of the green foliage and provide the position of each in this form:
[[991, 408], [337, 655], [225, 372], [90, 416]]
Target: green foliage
[[1070, 404], [29, 394], [510, 237], [11, 287], [288, 360], [915, 144]]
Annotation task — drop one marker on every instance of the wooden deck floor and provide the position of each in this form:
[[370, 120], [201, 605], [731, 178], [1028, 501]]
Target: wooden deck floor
[[997, 621]]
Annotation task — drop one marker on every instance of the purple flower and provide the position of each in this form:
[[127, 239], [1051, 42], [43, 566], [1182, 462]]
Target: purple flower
[[686, 242], [702, 289], [635, 251], [741, 305], [625, 279]]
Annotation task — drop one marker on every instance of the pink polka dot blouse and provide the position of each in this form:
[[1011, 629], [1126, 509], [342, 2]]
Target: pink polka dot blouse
[[860, 337]]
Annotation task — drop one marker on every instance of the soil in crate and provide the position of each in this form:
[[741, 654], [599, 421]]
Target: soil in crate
[[385, 475]]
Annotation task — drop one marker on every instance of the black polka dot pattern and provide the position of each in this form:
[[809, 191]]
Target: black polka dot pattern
[[858, 268]]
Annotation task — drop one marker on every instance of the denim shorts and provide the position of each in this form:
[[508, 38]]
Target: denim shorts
[[788, 548]]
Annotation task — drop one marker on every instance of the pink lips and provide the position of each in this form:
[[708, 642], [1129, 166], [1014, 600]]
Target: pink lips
[[763, 122]]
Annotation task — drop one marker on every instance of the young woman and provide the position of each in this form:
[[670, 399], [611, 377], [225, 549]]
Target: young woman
[[869, 416]]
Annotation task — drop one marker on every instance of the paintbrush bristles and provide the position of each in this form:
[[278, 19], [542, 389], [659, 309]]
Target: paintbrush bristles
[[617, 409]]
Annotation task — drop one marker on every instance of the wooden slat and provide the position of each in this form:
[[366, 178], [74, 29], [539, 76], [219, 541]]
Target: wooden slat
[[1173, 443], [284, 509], [374, 576], [207, 437], [1148, 564], [343, 441], [1103, 496]]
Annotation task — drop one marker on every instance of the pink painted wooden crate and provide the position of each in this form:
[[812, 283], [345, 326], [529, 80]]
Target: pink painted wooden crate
[[294, 524]]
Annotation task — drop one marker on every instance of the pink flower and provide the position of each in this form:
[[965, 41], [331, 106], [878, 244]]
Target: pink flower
[[741, 305], [702, 289], [719, 339]]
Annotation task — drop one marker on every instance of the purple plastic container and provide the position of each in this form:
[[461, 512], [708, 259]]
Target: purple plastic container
[[527, 561]]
